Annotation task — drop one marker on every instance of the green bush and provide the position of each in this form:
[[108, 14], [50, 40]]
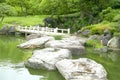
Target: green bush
[[109, 14], [116, 18], [93, 43], [117, 34]]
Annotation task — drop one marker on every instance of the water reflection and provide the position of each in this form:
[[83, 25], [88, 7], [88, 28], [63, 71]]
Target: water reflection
[[16, 72], [113, 55], [12, 63]]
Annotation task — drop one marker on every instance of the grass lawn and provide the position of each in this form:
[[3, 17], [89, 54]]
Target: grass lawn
[[24, 21]]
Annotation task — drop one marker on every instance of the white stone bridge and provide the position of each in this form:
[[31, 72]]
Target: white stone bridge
[[42, 30]]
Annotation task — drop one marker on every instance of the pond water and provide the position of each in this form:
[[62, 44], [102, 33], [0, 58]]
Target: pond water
[[12, 62]]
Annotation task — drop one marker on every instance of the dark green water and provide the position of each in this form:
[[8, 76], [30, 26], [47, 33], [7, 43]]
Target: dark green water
[[12, 62]]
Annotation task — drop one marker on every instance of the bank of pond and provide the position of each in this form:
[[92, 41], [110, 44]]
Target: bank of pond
[[12, 62]]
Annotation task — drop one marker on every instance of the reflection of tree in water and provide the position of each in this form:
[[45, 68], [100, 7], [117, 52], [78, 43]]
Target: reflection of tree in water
[[114, 56], [48, 75]]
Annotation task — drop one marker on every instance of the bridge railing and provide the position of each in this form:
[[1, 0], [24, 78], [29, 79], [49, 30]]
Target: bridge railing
[[43, 29]]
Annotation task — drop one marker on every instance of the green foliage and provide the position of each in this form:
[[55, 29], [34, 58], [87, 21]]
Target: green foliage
[[91, 8], [116, 23], [24, 5], [117, 34], [1, 1], [93, 43], [6, 10], [109, 14], [115, 4], [54, 6], [58, 37]]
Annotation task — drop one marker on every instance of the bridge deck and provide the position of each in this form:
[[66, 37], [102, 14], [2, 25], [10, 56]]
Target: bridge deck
[[43, 30]]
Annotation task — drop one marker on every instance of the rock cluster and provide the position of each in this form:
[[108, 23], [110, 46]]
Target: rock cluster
[[58, 54], [8, 30]]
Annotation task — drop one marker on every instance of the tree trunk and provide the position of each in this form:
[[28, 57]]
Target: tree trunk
[[2, 19]]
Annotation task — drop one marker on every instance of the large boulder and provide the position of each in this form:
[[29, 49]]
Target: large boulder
[[74, 46], [8, 30], [47, 58], [36, 43], [114, 42], [86, 32], [93, 37], [33, 36], [77, 39], [105, 37], [81, 69], [12, 30], [4, 30]]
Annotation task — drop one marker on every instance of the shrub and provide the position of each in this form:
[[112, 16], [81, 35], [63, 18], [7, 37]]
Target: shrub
[[108, 14], [117, 34], [93, 43]]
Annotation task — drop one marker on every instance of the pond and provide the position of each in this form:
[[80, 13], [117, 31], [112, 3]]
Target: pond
[[12, 62]]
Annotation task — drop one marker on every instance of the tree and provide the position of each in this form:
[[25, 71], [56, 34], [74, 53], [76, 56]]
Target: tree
[[23, 4], [5, 10], [115, 4], [91, 8]]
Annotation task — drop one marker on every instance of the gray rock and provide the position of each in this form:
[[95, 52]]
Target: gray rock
[[105, 39], [79, 31], [106, 32], [93, 37], [47, 58], [8, 30], [4, 30], [12, 30], [114, 42], [33, 36], [36, 43], [75, 38], [81, 69], [74, 46], [86, 32]]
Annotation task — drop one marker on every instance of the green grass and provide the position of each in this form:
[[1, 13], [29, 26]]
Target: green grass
[[58, 37], [94, 44], [24, 21]]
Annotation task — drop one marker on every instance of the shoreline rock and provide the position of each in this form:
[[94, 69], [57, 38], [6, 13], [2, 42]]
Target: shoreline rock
[[81, 69]]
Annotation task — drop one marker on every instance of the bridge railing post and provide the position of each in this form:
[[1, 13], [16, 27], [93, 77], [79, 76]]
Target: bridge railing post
[[56, 30], [46, 29], [43, 29], [25, 27], [68, 30], [62, 30]]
